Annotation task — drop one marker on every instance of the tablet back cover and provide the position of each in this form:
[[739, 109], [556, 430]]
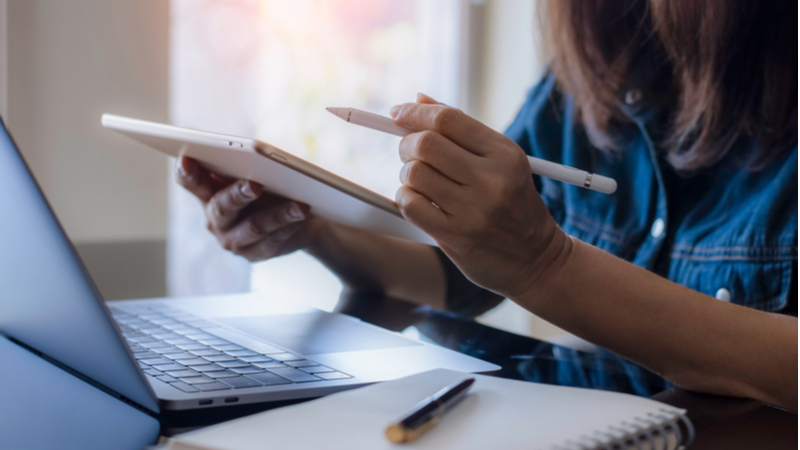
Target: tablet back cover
[[236, 157]]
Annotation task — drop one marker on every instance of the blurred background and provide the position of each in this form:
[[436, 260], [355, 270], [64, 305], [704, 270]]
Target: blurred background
[[257, 68]]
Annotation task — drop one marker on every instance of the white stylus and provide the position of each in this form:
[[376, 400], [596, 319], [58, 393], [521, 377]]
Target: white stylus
[[541, 167]]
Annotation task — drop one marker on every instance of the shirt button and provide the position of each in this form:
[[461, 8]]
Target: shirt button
[[723, 294], [658, 228], [633, 96]]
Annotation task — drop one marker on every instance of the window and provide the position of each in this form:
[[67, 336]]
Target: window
[[267, 69]]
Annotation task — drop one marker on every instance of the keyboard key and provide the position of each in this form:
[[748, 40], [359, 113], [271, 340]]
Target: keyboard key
[[191, 347], [152, 330], [295, 375], [206, 368], [184, 387], [182, 373], [285, 357], [142, 365], [216, 386], [268, 379], [220, 357], [165, 336], [303, 363], [149, 316], [241, 382], [151, 372], [178, 327], [200, 323], [166, 378], [230, 364], [179, 356], [269, 364], [244, 352], [168, 367], [145, 355], [139, 340], [178, 341], [213, 341], [316, 369], [156, 344], [204, 352], [167, 350], [165, 321], [256, 358], [333, 376], [221, 374], [199, 336], [196, 380], [245, 370], [227, 347], [193, 362], [155, 361]]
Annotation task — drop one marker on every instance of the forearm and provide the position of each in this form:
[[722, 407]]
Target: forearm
[[368, 261], [693, 340]]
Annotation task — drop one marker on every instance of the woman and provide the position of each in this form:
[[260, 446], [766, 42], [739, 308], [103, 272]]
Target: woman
[[690, 105]]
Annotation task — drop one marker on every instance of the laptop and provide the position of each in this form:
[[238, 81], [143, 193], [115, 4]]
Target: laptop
[[180, 354]]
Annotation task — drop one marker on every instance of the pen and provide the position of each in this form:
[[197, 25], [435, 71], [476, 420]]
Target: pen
[[539, 166], [425, 415]]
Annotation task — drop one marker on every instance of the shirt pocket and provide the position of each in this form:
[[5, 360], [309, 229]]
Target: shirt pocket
[[762, 282]]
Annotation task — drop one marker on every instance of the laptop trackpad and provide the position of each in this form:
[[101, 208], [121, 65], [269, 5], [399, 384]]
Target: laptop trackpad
[[316, 332]]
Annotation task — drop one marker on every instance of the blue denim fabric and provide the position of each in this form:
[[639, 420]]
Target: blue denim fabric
[[725, 228]]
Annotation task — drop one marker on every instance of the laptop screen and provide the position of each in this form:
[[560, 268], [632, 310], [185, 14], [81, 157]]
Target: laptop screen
[[47, 299]]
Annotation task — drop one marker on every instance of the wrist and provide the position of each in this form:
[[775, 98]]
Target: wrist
[[544, 278], [322, 237]]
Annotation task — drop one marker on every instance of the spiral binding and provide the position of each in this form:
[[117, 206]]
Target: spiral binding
[[663, 424]]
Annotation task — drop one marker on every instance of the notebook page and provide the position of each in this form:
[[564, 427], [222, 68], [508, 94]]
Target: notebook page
[[497, 413]]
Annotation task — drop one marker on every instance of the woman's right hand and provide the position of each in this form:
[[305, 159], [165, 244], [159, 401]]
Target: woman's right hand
[[247, 221]]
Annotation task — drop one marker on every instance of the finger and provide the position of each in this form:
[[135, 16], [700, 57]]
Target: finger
[[418, 210], [441, 154], [450, 122], [261, 224], [224, 207], [220, 181], [427, 181], [194, 178], [426, 99], [276, 244]]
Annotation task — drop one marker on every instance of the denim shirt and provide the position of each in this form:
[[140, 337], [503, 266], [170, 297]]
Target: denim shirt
[[727, 232]]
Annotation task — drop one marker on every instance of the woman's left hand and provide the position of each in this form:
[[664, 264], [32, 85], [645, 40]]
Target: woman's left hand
[[470, 188]]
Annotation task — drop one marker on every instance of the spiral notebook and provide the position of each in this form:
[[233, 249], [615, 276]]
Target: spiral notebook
[[497, 413]]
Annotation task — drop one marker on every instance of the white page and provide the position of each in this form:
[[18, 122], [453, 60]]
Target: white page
[[498, 413]]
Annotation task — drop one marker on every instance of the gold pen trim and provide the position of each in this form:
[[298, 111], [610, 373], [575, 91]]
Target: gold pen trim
[[399, 434]]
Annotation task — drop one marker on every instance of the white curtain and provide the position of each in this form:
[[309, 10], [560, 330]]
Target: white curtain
[[267, 69]]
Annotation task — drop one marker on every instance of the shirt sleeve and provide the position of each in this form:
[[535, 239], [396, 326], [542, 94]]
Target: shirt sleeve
[[463, 296]]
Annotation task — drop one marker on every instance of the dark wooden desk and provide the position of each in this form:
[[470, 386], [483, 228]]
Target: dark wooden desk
[[720, 422]]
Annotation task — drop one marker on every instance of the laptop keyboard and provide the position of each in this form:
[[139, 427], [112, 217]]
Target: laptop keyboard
[[170, 345]]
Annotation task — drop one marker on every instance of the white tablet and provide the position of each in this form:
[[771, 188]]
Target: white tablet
[[330, 196]]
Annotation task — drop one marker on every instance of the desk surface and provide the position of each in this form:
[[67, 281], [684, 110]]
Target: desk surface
[[721, 422]]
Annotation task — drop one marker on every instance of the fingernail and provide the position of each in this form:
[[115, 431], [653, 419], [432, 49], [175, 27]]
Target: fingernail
[[185, 167], [394, 111], [403, 171], [295, 213], [246, 190]]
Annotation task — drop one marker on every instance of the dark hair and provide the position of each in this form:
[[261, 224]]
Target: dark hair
[[733, 64]]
